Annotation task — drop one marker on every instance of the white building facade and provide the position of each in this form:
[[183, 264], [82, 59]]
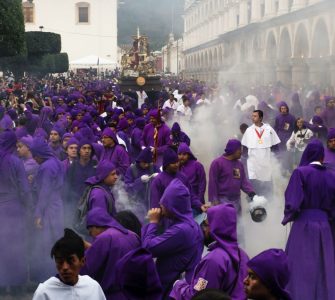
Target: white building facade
[[173, 56], [86, 27], [260, 41]]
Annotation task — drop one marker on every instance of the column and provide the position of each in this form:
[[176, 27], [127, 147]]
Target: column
[[243, 13], [232, 18], [332, 71], [255, 11], [225, 21], [283, 7], [270, 9], [299, 72], [298, 4], [269, 72], [284, 73]]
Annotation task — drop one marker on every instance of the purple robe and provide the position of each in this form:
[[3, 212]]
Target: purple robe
[[106, 250], [328, 116], [224, 267], [161, 182], [163, 142], [136, 189], [309, 202], [101, 196], [14, 205], [284, 126], [226, 180], [329, 159], [117, 155], [178, 249], [75, 186], [135, 148], [194, 172], [49, 207]]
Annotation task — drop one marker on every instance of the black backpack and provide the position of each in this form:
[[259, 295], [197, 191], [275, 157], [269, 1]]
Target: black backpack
[[80, 218]]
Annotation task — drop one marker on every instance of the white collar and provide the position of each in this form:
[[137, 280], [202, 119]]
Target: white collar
[[316, 163]]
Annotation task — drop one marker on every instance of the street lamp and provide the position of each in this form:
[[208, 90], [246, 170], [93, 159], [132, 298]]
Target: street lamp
[[41, 28]]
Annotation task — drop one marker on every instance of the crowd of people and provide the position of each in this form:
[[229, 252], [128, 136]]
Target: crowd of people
[[103, 189]]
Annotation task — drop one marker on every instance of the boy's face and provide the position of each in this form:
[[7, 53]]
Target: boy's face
[[69, 267]]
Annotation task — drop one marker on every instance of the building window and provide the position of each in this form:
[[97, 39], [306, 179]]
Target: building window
[[28, 12], [83, 12]]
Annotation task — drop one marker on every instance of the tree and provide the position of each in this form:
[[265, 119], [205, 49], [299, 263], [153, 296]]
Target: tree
[[12, 41]]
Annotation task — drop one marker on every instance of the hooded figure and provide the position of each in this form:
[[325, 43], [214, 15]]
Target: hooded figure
[[227, 177], [178, 249], [284, 124], [224, 267], [271, 267], [329, 158], [309, 204], [193, 170], [48, 212], [163, 179], [135, 139], [138, 178], [178, 136], [111, 242], [328, 115], [101, 194], [112, 151], [156, 135], [15, 199], [137, 276]]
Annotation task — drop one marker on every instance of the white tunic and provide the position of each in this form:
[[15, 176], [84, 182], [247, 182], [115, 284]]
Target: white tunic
[[54, 289], [259, 151]]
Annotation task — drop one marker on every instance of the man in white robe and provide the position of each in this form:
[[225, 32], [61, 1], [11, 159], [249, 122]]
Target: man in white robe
[[259, 138], [68, 253]]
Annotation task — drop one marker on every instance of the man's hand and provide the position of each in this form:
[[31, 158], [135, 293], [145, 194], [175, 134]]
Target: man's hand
[[154, 215], [38, 223], [205, 207], [145, 178]]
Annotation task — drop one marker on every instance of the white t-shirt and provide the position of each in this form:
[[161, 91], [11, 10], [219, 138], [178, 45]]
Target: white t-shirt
[[186, 111], [173, 105], [259, 150], [54, 289]]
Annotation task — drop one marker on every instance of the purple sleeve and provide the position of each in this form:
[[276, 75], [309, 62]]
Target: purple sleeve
[[122, 160], [212, 182], [97, 150], [95, 257], [202, 182], [172, 240], [143, 137], [98, 198], [132, 184], [208, 272], [166, 141], [136, 139], [43, 198], [155, 193], [294, 196]]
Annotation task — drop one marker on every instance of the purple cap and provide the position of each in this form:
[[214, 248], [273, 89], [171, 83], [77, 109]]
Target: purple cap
[[331, 134], [271, 266], [232, 146], [169, 157]]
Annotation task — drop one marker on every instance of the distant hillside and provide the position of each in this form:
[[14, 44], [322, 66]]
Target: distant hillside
[[154, 17]]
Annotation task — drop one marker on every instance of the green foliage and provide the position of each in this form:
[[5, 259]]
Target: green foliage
[[61, 63], [42, 42], [12, 40], [48, 63]]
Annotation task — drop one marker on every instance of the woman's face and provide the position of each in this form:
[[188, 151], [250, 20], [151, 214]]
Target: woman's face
[[300, 123]]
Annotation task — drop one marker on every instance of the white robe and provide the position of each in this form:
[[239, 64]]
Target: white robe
[[54, 289], [259, 154]]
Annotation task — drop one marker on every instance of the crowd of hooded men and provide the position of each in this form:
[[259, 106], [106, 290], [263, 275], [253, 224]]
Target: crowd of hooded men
[[66, 145]]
